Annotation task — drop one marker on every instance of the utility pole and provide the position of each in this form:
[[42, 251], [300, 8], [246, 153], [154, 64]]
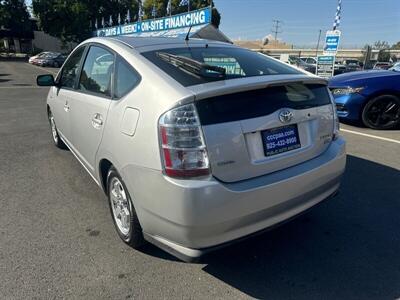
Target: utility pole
[[276, 28], [319, 39]]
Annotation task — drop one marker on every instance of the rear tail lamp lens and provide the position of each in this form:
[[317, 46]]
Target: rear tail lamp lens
[[182, 143]]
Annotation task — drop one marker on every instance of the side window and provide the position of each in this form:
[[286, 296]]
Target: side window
[[97, 71], [70, 70], [126, 78]]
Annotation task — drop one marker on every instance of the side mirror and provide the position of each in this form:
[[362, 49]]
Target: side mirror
[[45, 80]]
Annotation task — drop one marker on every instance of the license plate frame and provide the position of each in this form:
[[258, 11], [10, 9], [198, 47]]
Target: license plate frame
[[279, 140]]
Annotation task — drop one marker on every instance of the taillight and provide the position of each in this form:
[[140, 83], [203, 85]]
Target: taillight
[[336, 124], [182, 144]]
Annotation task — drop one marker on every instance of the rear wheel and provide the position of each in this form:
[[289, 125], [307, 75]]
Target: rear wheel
[[54, 132], [382, 112], [123, 212]]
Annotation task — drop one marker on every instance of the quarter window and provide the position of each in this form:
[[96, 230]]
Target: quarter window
[[70, 71], [126, 78], [97, 71]]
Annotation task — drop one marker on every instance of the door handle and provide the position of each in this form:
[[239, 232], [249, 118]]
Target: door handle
[[97, 120]]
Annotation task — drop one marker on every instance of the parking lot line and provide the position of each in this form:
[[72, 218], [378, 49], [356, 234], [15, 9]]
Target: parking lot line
[[371, 136]]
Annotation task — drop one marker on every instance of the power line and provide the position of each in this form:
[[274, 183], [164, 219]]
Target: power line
[[276, 28]]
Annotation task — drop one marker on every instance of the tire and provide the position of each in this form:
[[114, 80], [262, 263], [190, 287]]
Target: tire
[[382, 112], [54, 133], [120, 202], [56, 65]]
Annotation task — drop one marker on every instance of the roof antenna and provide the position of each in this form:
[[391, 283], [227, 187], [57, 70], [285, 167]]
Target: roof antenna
[[187, 35]]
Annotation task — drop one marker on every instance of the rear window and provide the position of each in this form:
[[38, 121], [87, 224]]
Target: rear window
[[262, 102], [238, 63]]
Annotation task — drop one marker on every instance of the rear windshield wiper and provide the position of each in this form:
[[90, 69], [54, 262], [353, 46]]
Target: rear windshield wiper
[[193, 66]]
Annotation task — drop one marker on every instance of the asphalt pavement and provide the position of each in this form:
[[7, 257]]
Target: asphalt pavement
[[57, 239]]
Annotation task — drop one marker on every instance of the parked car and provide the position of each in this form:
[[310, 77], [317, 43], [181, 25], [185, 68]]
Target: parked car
[[309, 60], [382, 65], [296, 61], [371, 96], [50, 59], [352, 65], [339, 68], [33, 59], [196, 143], [396, 67]]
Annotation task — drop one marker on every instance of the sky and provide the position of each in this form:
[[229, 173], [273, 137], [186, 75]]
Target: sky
[[363, 21]]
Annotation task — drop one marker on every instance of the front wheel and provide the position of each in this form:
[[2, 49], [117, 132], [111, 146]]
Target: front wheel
[[54, 132], [123, 212], [382, 112]]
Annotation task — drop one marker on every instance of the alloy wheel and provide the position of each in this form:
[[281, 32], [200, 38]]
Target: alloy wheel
[[382, 113], [120, 206]]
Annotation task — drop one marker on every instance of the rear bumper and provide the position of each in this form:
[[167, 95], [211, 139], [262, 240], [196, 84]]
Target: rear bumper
[[189, 218]]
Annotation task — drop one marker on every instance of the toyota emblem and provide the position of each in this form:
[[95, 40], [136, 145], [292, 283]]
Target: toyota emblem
[[285, 116]]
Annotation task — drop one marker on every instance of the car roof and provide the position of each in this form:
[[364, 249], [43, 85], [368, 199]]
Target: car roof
[[139, 42]]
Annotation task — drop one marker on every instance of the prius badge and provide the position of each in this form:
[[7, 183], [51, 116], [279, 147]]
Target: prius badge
[[285, 116]]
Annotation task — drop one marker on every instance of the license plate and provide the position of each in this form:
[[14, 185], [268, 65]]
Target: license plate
[[280, 139]]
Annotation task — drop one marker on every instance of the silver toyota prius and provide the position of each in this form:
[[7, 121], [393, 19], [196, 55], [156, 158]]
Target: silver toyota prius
[[196, 143]]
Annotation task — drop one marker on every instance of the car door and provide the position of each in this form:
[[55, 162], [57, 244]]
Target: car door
[[89, 106], [61, 96]]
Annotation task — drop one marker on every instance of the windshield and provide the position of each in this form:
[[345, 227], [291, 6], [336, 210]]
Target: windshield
[[237, 62]]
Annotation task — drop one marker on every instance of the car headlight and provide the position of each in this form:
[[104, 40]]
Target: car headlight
[[346, 91]]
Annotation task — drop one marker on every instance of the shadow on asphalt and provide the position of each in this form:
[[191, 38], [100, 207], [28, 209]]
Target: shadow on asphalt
[[359, 124], [345, 248]]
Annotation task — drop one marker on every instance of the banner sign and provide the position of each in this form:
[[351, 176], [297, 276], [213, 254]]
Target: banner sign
[[332, 40], [325, 66], [194, 18]]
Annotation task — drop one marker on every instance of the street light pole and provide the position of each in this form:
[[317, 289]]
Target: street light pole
[[319, 39]]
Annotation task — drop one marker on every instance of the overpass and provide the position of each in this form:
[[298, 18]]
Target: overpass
[[342, 53]]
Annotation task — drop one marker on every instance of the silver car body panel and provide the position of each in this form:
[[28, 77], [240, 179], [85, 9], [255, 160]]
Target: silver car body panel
[[186, 216]]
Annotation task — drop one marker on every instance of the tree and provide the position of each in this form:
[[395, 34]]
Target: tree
[[73, 20], [396, 46], [383, 47], [161, 7], [14, 16]]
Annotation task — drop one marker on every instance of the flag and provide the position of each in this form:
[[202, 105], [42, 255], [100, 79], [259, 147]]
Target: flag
[[154, 11], [128, 16], [110, 21], [119, 19], [169, 7], [336, 23], [185, 2], [140, 13], [102, 22]]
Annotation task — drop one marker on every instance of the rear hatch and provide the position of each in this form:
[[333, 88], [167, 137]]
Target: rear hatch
[[256, 126]]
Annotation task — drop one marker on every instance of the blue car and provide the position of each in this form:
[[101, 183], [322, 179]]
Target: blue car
[[372, 97]]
